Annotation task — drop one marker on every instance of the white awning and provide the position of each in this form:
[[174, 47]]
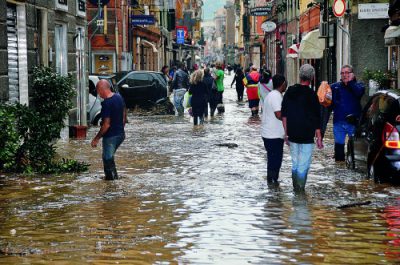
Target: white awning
[[392, 35], [150, 44], [312, 46]]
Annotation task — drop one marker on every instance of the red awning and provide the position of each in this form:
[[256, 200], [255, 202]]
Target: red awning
[[293, 51]]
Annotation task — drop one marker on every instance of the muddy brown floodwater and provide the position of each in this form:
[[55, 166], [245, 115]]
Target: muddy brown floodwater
[[185, 197]]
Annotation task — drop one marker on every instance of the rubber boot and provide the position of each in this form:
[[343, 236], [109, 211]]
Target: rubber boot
[[272, 177], [253, 113], [297, 187], [201, 120], [195, 120], [256, 112], [212, 112], [339, 152], [109, 170]]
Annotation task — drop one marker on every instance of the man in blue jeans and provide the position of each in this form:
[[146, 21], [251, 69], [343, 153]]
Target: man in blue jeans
[[113, 114], [301, 122], [346, 97]]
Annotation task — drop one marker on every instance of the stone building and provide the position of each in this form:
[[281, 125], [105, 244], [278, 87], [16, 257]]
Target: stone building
[[38, 32]]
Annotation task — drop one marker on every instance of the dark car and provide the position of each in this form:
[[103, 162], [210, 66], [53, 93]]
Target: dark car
[[142, 88], [376, 143]]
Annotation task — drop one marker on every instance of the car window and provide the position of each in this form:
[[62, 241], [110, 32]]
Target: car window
[[138, 79], [389, 108], [161, 79]]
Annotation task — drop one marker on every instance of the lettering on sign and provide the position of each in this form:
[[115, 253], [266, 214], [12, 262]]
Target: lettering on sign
[[373, 11]]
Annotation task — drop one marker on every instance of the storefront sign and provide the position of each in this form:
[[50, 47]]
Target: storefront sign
[[373, 11], [268, 26], [142, 20], [261, 11]]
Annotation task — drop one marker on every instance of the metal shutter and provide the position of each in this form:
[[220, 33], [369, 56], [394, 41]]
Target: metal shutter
[[12, 47]]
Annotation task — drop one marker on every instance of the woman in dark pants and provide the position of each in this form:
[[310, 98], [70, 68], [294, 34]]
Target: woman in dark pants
[[239, 75], [199, 94], [212, 93]]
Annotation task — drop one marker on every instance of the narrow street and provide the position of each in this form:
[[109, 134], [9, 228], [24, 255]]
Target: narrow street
[[184, 199]]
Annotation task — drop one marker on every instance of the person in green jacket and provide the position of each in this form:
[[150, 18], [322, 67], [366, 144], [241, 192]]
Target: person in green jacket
[[219, 80]]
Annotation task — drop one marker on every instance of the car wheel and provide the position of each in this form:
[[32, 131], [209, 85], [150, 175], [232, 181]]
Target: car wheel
[[350, 163]]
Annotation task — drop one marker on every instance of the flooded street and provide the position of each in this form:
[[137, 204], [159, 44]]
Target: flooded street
[[184, 199]]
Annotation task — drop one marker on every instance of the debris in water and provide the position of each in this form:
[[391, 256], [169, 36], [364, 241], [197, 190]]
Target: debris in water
[[229, 145], [353, 204]]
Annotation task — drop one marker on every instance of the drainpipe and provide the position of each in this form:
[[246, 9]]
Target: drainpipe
[[348, 35]]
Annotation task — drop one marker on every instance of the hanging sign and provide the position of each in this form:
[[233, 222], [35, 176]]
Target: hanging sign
[[261, 11], [268, 26], [339, 7]]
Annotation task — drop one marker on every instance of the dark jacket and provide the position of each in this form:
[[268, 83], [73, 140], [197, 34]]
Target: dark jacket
[[238, 79], [181, 80], [301, 108], [346, 99], [199, 98], [208, 81]]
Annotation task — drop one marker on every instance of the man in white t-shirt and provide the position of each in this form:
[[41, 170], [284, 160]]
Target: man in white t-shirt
[[272, 131]]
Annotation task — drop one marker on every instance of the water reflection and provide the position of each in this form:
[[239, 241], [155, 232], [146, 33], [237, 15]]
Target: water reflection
[[186, 198]]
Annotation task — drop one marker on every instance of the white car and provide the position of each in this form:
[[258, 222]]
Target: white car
[[94, 105]]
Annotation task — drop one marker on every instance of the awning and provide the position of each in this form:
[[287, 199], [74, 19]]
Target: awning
[[312, 46], [150, 44], [392, 35], [293, 51]]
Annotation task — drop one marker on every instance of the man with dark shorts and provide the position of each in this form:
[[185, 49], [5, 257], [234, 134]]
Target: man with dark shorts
[[113, 114]]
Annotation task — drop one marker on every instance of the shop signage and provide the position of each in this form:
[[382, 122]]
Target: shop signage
[[339, 7], [261, 11], [180, 36], [142, 20], [268, 26], [373, 11]]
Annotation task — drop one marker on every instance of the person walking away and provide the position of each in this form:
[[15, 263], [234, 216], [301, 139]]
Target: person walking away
[[272, 131], [180, 84], [167, 77], [198, 89], [113, 114], [251, 82], [238, 79], [301, 122], [212, 93], [219, 81], [265, 85], [346, 97]]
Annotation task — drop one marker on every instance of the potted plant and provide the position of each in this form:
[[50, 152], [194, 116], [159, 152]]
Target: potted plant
[[376, 79]]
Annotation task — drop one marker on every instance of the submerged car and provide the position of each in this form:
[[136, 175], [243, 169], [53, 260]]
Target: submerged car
[[142, 88], [94, 106], [376, 143]]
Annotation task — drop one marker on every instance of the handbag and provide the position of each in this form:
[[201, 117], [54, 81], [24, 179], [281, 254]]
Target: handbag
[[187, 100]]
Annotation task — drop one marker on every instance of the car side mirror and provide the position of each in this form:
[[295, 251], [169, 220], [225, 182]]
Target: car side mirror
[[352, 119]]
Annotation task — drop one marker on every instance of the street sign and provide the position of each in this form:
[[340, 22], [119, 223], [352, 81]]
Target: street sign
[[142, 20], [373, 11], [100, 22], [180, 36], [339, 7]]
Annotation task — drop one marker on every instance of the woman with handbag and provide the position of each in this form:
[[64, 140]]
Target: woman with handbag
[[198, 90]]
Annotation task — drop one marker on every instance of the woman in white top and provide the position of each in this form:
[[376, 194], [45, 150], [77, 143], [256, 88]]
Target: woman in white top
[[272, 131]]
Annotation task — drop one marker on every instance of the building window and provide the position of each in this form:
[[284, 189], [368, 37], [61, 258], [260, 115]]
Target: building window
[[81, 8], [61, 49], [61, 5]]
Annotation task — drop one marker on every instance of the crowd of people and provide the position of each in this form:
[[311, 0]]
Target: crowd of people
[[290, 115]]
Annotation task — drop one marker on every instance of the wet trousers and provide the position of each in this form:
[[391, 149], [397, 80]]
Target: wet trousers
[[239, 91], [340, 130], [110, 146], [301, 160], [178, 100], [274, 148]]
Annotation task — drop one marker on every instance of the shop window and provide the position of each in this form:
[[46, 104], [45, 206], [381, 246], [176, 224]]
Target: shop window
[[81, 8]]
